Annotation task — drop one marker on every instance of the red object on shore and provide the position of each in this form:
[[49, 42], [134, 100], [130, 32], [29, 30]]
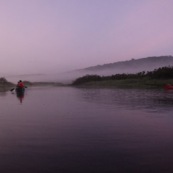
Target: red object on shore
[[168, 87]]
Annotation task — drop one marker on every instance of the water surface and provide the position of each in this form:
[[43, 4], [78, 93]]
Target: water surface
[[83, 130]]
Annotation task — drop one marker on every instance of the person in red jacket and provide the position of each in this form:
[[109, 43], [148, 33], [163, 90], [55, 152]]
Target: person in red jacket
[[20, 88], [20, 84]]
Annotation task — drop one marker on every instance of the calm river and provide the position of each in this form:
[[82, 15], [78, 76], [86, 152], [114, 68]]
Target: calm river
[[65, 130]]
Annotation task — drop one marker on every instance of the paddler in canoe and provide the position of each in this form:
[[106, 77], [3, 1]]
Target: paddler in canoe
[[20, 86], [20, 89]]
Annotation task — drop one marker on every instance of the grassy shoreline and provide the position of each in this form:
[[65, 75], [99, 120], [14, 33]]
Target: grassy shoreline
[[151, 79], [129, 83]]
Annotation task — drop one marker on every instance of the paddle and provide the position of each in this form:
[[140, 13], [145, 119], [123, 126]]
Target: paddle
[[14, 88]]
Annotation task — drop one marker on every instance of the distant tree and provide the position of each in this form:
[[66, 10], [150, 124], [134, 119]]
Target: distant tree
[[87, 78], [3, 80], [163, 72]]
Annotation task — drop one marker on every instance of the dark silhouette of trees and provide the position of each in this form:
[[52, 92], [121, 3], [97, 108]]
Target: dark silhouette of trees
[[160, 73], [87, 78]]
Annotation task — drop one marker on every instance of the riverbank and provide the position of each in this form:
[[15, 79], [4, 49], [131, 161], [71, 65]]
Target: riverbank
[[123, 83], [128, 83], [154, 79]]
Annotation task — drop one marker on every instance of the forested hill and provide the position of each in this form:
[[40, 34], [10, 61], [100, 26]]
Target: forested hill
[[131, 66]]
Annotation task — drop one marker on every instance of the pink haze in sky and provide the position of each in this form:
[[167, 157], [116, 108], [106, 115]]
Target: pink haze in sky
[[52, 36]]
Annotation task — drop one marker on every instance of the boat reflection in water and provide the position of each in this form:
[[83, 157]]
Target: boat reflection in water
[[168, 87], [20, 94]]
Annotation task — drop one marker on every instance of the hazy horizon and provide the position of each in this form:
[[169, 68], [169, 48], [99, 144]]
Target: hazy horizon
[[55, 36]]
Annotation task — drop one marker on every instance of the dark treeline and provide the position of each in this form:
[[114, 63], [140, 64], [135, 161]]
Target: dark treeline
[[5, 85], [160, 73], [4, 82]]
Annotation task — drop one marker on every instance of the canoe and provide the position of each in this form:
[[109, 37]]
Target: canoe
[[168, 87], [20, 91]]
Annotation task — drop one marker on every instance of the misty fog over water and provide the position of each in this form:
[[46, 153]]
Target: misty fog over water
[[64, 129], [62, 78], [131, 66]]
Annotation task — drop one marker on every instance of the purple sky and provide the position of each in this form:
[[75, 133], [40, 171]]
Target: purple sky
[[51, 36]]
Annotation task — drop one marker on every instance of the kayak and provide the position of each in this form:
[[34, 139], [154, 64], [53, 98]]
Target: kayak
[[168, 87]]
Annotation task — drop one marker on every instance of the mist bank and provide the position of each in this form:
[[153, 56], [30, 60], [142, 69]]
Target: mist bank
[[131, 66], [151, 79], [37, 78]]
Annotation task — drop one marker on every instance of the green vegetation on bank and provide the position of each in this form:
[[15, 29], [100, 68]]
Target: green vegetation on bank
[[151, 79]]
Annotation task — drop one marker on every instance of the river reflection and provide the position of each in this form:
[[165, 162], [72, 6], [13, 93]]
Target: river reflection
[[147, 100], [20, 96], [64, 129]]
